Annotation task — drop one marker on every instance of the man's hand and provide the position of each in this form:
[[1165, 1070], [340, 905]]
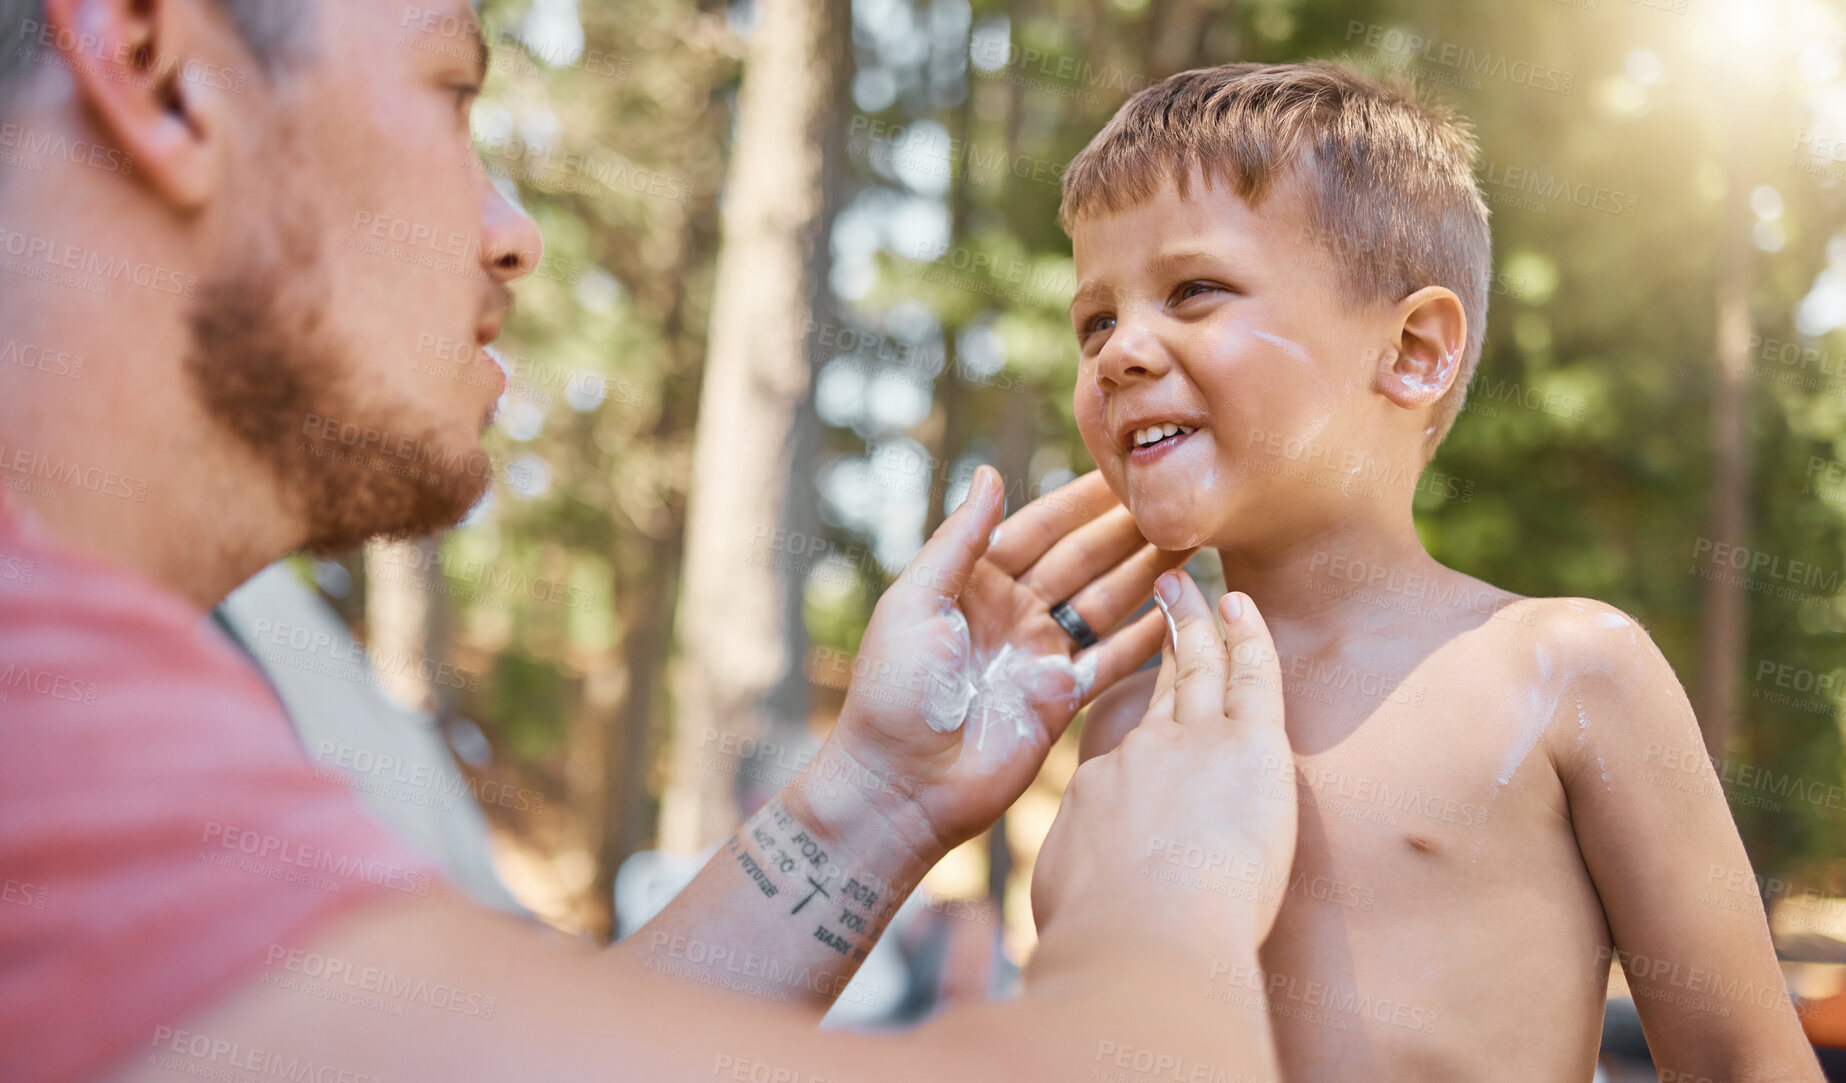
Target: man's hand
[[961, 685], [1181, 782], [964, 681]]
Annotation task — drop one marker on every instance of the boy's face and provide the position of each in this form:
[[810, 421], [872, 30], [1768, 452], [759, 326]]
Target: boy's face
[[1231, 322]]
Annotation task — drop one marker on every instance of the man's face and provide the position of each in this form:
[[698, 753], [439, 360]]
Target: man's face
[[342, 337], [1230, 322]]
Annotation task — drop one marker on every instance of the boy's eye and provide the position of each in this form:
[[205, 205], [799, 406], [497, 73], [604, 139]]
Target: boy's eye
[[465, 93], [1193, 289], [1096, 324]]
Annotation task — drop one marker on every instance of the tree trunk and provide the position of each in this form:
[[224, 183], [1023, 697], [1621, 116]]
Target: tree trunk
[[1726, 604], [739, 637], [404, 617]]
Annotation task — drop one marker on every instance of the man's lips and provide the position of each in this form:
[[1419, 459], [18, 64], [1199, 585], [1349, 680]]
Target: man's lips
[[484, 335]]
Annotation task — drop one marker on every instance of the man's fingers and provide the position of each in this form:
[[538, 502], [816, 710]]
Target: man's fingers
[[1122, 653], [1037, 527], [945, 562], [1201, 665], [1113, 597], [1254, 691], [1082, 555]]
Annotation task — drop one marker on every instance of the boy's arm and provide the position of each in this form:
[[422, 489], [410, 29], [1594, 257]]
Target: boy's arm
[[1676, 886]]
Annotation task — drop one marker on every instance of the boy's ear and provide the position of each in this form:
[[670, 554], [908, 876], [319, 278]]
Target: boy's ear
[[1430, 333], [137, 66]]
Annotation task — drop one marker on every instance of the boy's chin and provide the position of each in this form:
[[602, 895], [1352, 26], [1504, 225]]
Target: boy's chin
[[1168, 530]]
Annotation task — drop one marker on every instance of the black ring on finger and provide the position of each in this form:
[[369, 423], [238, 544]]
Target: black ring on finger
[[1074, 625]]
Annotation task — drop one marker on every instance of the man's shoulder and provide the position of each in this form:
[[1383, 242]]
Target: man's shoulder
[[67, 621], [104, 678]]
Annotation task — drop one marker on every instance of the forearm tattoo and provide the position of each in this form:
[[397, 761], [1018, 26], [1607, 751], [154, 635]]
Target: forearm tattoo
[[845, 910]]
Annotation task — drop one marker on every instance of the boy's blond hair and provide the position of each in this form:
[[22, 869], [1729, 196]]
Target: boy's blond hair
[[1389, 176]]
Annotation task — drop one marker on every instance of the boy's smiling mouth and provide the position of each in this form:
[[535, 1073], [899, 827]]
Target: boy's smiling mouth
[[1153, 434], [1147, 440]]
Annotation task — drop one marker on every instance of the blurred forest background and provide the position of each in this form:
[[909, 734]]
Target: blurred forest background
[[803, 274]]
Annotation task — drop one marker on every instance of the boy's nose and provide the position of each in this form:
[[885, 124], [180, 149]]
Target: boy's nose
[[1132, 354]]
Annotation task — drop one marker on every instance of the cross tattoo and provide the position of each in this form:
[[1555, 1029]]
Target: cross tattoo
[[818, 890]]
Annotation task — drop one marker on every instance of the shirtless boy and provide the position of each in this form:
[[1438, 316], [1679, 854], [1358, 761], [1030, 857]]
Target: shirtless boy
[[1282, 289]]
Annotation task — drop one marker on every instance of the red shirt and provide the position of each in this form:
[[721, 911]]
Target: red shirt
[[162, 833]]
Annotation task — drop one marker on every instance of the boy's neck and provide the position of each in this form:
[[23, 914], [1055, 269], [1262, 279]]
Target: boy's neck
[[1331, 579]]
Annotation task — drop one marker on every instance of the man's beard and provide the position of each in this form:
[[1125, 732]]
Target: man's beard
[[266, 370]]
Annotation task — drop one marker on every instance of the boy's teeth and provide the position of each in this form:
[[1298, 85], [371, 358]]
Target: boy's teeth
[[1153, 434]]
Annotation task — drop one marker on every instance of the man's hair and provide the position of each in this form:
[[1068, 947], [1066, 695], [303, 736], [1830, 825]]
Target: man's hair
[[1388, 176], [272, 29]]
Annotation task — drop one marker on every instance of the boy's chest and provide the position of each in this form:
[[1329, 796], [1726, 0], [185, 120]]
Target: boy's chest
[[1417, 769]]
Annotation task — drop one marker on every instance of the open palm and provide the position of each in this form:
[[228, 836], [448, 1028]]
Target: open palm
[[965, 681]]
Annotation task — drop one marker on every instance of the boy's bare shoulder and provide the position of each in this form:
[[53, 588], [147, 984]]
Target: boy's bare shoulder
[[1595, 655], [1581, 638]]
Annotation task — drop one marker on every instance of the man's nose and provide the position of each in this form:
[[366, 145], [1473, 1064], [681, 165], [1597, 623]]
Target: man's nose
[[511, 245]]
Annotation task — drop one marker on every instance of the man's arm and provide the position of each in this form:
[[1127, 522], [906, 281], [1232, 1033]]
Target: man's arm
[[453, 992], [792, 903], [794, 900], [549, 1009], [1657, 838]]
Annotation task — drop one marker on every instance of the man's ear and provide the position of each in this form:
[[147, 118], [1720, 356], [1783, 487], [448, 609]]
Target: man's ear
[[139, 70], [1430, 335]]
